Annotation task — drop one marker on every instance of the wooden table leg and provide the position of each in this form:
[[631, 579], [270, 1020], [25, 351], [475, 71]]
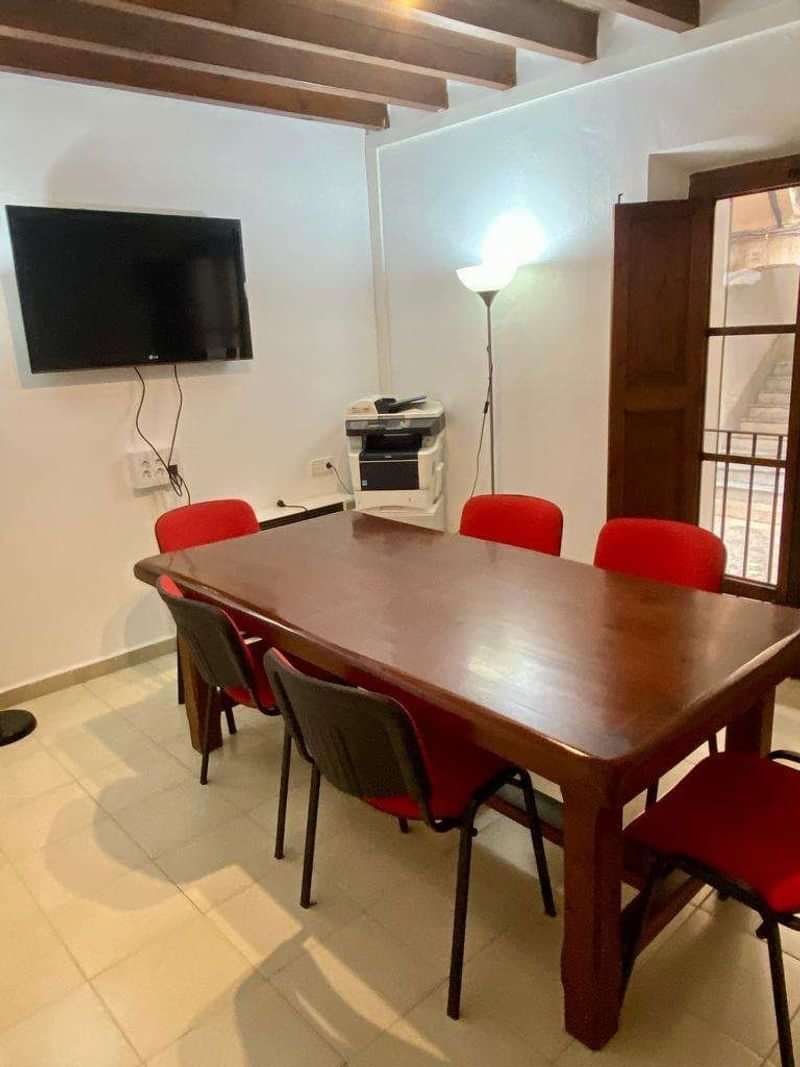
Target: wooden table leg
[[591, 955], [195, 692], [752, 731]]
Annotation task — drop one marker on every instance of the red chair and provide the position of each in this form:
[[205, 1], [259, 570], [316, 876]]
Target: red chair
[[733, 824], [368, 746], [664, 551], [513, 519], [231, 668], [203, 524]]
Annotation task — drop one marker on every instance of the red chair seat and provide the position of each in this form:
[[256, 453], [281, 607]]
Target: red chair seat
[[456, 770], [738, 814], [255, 651]]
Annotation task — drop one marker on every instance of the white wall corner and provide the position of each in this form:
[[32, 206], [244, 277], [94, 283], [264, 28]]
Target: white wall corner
[[383, 337]]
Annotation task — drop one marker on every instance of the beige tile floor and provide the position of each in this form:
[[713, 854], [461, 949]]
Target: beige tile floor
[[144, 920]]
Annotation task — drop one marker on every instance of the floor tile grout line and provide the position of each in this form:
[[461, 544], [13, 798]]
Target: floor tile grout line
[[251, 973], [106, 885], [154, 861], [722, 1033], [116, 1022], [53, 750], [309, 1022], [56, 1000]]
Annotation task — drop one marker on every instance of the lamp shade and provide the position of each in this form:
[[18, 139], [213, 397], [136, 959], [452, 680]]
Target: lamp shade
[[487, 277]]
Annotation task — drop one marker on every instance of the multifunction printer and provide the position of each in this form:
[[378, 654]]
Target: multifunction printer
[[396, 456]]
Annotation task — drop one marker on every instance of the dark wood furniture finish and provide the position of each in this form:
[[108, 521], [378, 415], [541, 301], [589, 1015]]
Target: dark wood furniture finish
[[757, 177], [662, 284], [598, 681], [550, 26], [69, 60]]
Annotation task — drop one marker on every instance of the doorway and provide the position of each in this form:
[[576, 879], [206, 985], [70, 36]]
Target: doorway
[[704, 394], [749, 459]]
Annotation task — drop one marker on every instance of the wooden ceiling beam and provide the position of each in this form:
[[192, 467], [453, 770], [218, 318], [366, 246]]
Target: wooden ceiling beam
[[386, 37], [677, 15], [58, 60], [198, 48], [549, 26]]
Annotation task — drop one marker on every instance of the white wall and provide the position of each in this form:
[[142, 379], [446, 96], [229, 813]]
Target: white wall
[[563, 159], [70, 529]]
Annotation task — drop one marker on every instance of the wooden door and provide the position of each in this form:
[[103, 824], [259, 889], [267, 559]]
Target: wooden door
[[662, 278]]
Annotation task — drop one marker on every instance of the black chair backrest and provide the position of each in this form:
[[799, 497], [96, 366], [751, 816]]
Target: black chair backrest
[[212, 638], [363, 743]]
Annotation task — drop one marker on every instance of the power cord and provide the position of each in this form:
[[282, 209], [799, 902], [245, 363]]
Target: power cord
[[480, 439], [301, 507], [332, 467], [176, 479]]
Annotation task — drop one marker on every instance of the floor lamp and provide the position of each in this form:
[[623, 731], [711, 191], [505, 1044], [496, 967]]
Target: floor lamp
[[487, 280]]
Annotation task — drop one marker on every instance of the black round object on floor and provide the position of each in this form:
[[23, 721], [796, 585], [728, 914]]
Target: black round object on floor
[[14, 725]]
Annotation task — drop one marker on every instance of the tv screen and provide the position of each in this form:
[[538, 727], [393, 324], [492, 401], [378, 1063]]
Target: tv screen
[[114, 289]]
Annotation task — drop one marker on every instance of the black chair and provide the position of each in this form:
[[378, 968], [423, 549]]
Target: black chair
[[368, 746], [231, 669]]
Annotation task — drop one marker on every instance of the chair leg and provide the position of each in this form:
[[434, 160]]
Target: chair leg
[[652, 795], [404, 827], [631, 949], [460, 916], [230, 719], [286, 761], [538, 845], [713, 745], [212, 708], [181, 697], [311, 836], [779, 993]]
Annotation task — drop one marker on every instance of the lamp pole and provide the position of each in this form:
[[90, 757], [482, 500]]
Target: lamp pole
[[487, 298], [487, 280]]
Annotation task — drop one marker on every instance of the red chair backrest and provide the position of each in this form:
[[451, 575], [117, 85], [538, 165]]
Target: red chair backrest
[[662, 550], [513, 519], [204, 523]]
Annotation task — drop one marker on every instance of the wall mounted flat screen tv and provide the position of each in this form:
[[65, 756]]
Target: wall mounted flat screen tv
[[115, 289]]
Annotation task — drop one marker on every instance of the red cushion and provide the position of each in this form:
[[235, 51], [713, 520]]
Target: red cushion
[[204, 523], [662, 550], [513, 519], [456, 770], [738, 814], [255, 652], [170, 587]]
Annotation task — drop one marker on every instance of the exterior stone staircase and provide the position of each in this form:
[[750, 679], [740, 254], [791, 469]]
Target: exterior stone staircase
[[770, 411]]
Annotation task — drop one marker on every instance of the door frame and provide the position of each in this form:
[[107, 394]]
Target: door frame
[[722, 184]]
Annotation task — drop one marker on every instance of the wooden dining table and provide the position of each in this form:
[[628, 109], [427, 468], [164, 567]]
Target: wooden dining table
[[599, 682]]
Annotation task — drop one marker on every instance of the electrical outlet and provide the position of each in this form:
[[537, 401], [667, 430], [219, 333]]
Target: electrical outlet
[[319, 466], [145, 471]]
